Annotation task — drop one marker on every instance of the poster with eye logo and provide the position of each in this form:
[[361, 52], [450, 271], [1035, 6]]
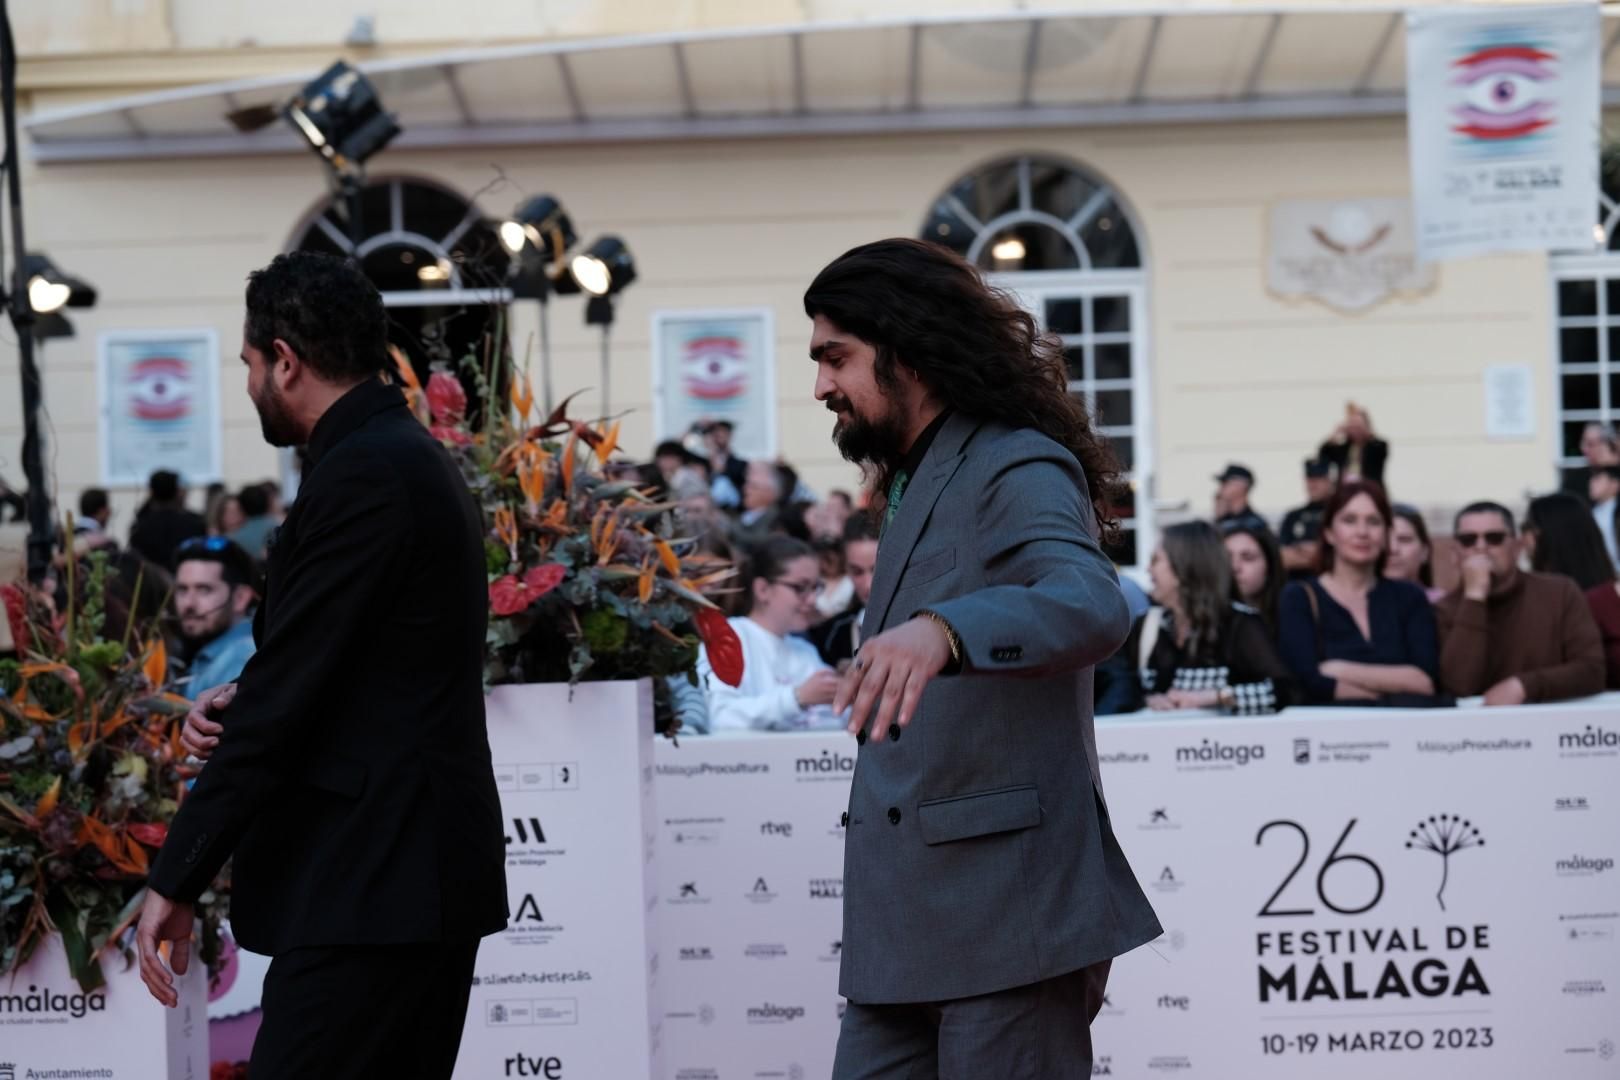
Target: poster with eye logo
[[1503, 129], [159, 405], [717, 365]]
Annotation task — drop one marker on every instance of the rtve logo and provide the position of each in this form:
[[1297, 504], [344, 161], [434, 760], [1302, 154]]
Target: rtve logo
[[547, 1068]]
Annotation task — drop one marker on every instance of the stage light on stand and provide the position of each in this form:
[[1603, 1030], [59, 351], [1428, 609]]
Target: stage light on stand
[[341, 117], [50, 290], [604, 268], [538, 235]]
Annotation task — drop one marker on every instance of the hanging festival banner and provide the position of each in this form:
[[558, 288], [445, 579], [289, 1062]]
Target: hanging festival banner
[[717, 365], [159, 394], [1503, 128]]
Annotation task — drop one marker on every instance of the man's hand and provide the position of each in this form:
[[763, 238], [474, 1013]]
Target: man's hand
[[1194, 699], [1509, 691], [890, 674], [201, 733], [1160, 702], [1476, 576], [818, 689], [163, 920]]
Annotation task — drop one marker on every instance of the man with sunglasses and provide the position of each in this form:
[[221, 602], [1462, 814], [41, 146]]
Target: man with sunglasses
[[213, 599], [1515, 636]]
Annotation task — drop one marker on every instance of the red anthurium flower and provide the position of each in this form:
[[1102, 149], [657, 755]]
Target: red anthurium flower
[[446, 399], [148, 834], [509, 595], [725, 650], [450, 433]]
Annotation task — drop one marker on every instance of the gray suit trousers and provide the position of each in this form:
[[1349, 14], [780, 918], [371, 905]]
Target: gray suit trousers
[[1036, 1032]]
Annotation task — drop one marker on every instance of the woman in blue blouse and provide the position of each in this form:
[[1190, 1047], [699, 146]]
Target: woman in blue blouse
[[1349, 634]]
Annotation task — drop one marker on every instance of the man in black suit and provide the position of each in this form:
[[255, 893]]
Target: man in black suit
[[349, 768], [163, 521]]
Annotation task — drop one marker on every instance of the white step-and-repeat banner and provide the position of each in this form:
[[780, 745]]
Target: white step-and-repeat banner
[[1344, 894]]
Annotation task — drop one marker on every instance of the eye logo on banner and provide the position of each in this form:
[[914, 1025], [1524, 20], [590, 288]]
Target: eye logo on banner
[[714, 368], [1445, 836], [1500, 91], [159, 390]]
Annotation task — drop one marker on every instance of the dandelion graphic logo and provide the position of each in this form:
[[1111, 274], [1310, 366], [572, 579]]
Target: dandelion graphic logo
[[1444, 835]]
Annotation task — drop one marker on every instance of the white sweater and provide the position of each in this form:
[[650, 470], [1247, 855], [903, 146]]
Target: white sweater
[[772, 667]]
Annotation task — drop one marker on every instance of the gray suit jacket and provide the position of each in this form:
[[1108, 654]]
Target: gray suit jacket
[[978, 854]]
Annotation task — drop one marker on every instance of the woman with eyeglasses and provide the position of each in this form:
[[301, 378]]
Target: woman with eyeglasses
[[1351, 634], [785, 684], [1196, 648]]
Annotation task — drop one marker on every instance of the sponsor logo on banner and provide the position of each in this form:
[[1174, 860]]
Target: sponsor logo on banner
[[771, 1013], [1584, 866], [827, 888], [694, 952], [1159, 820], [1167, 881], [546, 1068], [1346, 751], [687, 893], [1470, 746], [1174, 939], [532, 978], [8, 1071], [1602, 1049], [1111, 1005], [1330, 964], [765, 952], [1102, 1065], [1175, 1003], [526, 843], [791, 1072], [694, 832], [1302, 751], [532, 1012], [690, 1073], [783, 829], [1169, 1063], [833, 952], [1124, 757], [827, 766], [1568, 803], [715, 768], [703, 1014], [1594, 740], [1212, 754], [48, 1005], [842, 1008], [1587, 927], [761, 892], [529, 925], [1585, 988]]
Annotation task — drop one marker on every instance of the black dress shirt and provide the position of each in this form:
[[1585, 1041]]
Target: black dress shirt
[[353, 780]]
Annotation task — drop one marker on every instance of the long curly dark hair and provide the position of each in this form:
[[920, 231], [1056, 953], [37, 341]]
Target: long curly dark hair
[[922, 306]]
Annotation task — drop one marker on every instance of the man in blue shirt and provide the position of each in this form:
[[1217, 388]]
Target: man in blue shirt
[[214, 598]]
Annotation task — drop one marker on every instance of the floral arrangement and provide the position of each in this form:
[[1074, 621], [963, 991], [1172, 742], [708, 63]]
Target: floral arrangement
[[91, 771], [588, 577]]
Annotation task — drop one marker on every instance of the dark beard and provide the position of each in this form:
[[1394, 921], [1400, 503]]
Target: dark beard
[[275, 421], [870, 442]]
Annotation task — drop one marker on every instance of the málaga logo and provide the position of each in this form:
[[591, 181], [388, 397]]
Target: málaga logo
[[1214, 754]]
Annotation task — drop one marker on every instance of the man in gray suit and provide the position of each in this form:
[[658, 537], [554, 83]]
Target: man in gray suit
[[984, 893]]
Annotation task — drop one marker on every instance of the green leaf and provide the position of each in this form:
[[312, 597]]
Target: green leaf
[[82, 962]]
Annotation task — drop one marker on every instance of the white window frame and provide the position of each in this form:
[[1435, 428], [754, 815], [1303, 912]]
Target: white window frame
[[1601, 267]]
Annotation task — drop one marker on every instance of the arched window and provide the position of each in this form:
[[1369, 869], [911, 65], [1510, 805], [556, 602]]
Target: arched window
[[1588, 328], [1061, 240], [437, 261]]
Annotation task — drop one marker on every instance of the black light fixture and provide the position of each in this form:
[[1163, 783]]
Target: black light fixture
[[540, 229], [604, 268], [341, 117], [52, 327], [50, 290], [538, 235]]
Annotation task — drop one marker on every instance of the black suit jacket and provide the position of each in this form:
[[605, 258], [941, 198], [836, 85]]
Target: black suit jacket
[[353, 781]]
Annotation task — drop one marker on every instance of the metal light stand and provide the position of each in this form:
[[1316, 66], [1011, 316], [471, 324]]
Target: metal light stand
[[599, 312], [21, 311]]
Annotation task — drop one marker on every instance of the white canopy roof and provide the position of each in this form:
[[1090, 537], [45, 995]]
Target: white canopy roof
[[1039, 69]]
